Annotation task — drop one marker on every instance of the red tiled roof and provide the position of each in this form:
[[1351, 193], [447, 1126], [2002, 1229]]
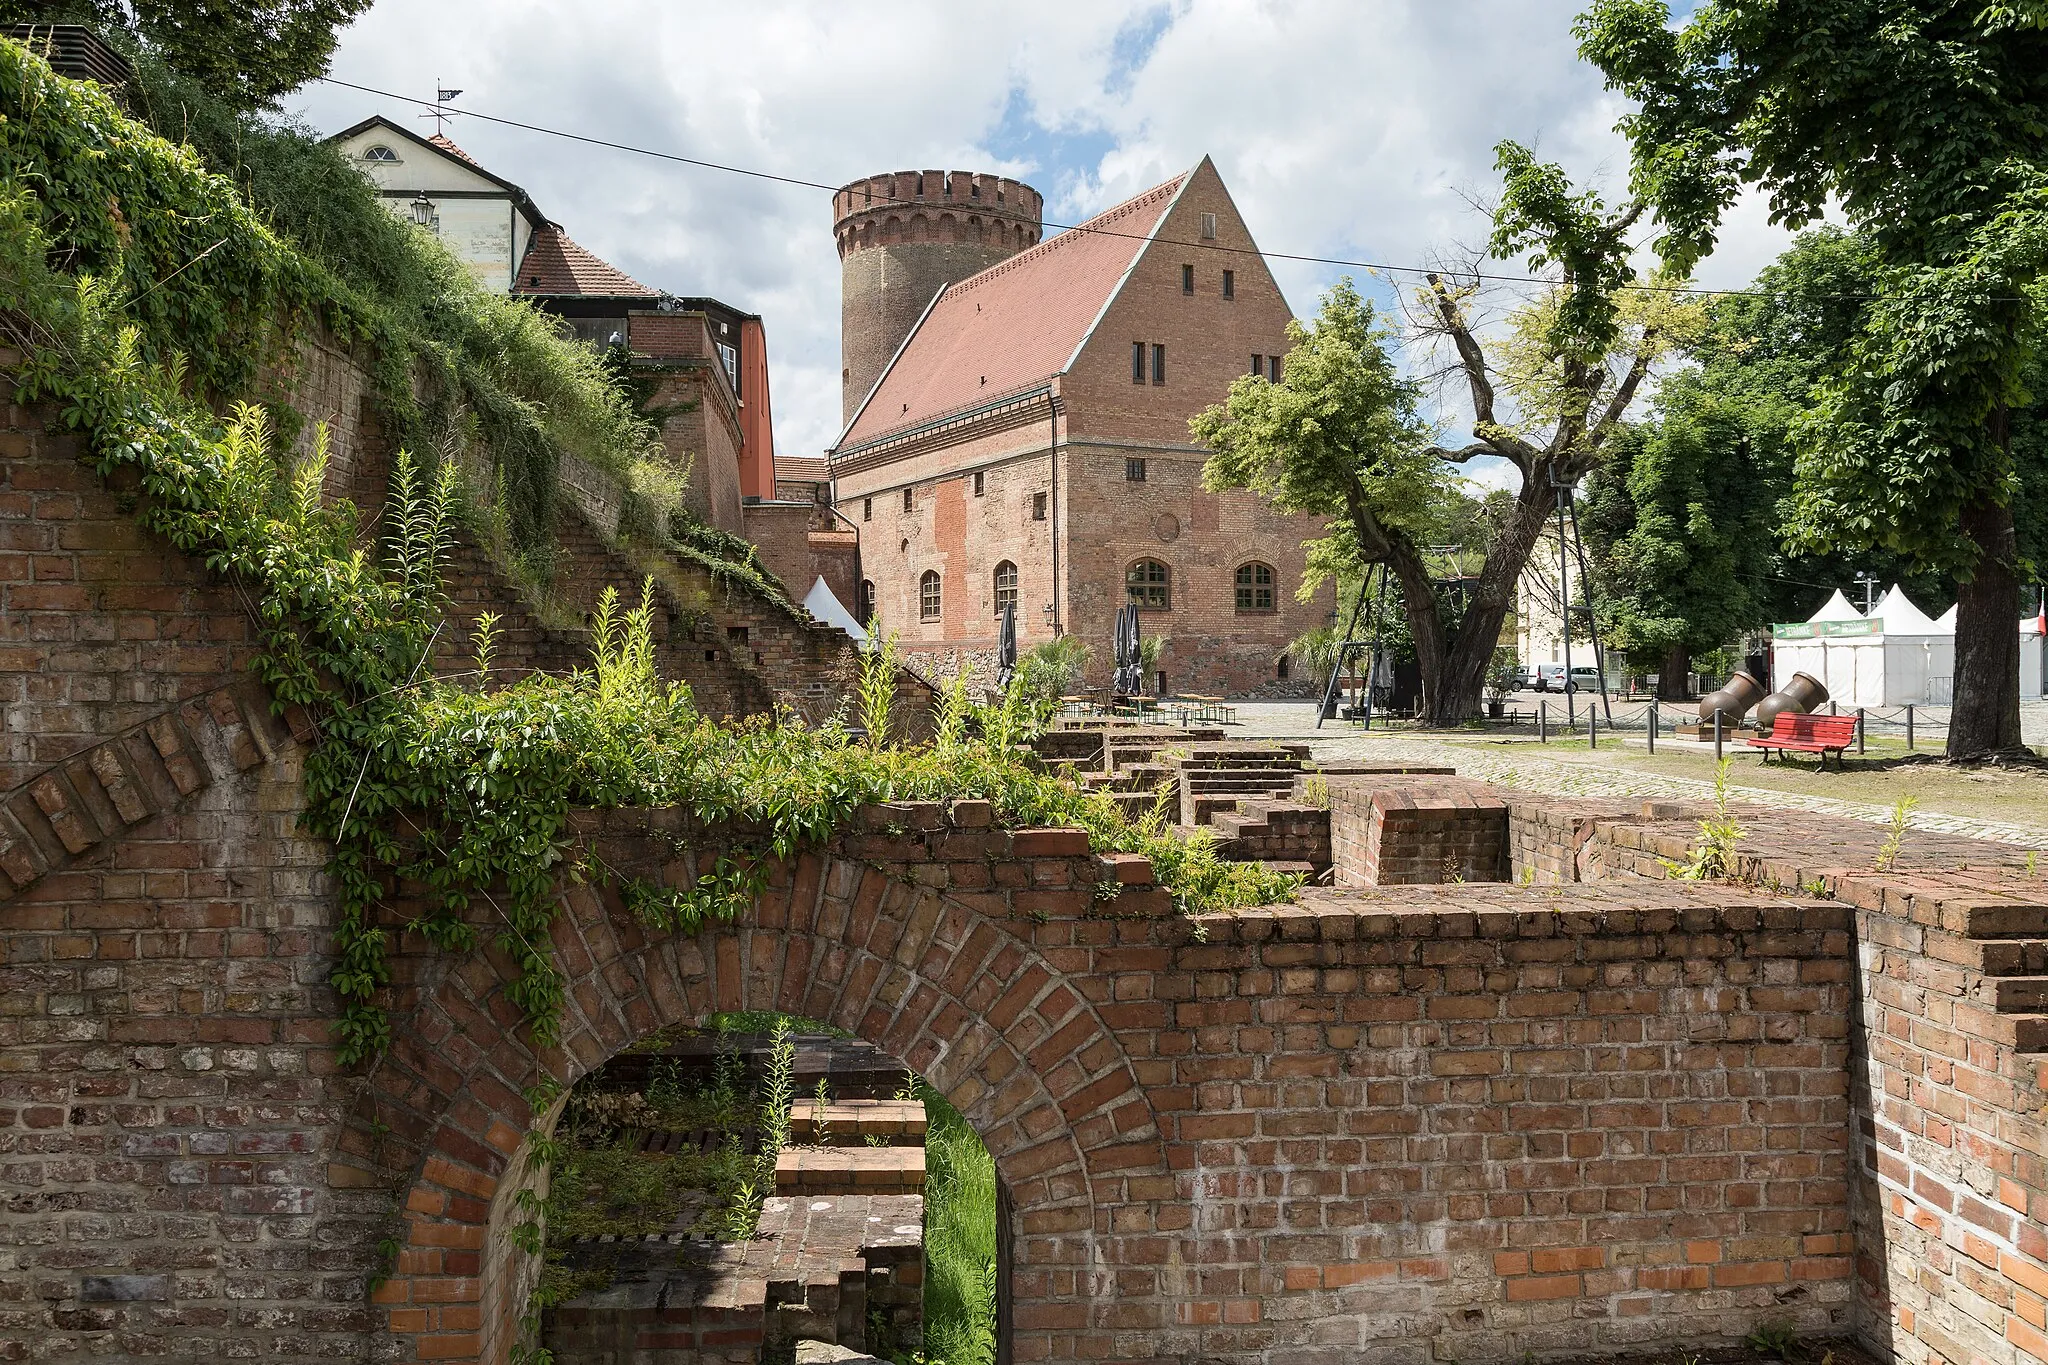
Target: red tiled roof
[[1015, 324], [447, 145], [802, 468], [555, 264]]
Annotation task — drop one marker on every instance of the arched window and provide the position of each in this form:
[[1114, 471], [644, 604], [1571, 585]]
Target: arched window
[[1254, 588], [928, 596], [381, 153], [1149, 584], [1006, 586], [867, 601]]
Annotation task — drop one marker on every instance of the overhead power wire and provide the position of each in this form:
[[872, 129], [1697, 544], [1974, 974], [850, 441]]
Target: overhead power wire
[[801, 183]]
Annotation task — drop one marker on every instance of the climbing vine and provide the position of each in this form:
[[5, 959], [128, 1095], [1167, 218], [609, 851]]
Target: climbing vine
[[460, 789]]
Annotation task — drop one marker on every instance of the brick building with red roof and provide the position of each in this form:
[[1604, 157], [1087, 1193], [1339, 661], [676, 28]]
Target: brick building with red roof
[[706, 362], [1028, 442]]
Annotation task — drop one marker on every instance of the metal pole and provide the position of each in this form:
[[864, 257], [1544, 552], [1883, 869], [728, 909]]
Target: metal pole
[[1909, 725], [1859, 729], [1564, 611], [1653, 726], [1543, 721], [1592, 618], [1592, 728], [1372, 667], [1344, 649], [1717, 734]]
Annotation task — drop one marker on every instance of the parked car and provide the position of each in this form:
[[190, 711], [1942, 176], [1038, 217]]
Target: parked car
[[1585, 680], [1548, 677]]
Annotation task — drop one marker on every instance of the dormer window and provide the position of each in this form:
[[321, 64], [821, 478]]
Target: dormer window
[[381, 153]]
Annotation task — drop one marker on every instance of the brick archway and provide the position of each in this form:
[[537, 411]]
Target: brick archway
[[953, 981]]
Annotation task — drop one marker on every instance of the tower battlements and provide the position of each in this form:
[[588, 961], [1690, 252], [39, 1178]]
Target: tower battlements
[[936, 206], [905, 235]]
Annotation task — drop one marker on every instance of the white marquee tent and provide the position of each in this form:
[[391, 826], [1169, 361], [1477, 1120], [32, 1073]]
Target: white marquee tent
[[1896, 656]]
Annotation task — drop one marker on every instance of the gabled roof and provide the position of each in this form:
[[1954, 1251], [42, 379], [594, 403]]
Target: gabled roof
[[555, 264], [442, 146], [1015, 325]]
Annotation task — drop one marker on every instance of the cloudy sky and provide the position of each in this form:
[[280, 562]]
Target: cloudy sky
[[1355, 129]]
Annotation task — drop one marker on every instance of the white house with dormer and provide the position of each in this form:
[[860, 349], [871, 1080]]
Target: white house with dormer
[[485, 220]]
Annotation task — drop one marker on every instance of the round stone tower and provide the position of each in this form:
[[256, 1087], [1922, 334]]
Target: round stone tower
[[902, 238]]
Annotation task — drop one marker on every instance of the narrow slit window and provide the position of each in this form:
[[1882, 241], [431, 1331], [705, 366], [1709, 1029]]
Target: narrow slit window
[[979, 486], [1137, 362], [1208, 227], [867, 509], [1273, 368], [1038, 507], [1258, 364], [1187, 279], [909, 501], [1230, 284], [1159, 363]]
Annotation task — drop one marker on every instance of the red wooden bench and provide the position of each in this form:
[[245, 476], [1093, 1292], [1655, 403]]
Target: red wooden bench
[[1821, 735]]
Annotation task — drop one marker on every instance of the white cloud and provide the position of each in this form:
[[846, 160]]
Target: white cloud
[[1343, 129]]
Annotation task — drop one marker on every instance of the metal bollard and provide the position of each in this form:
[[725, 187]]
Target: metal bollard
[[1543, 721], [1653, 727], [1909, 725], [1717, 736], [1859, 729], [1592, 728]]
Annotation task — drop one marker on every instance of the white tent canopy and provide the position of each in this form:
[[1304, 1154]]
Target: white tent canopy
[[1836, 608], [1896, 656], [822, 603]]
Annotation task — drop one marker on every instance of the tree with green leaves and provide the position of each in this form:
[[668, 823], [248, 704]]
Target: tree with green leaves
[[1552, 395], [1674, 522], [1927, 122], [246, 52], [1340, 436]]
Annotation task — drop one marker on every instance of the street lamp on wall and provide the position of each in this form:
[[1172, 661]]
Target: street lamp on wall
[[424, 215]]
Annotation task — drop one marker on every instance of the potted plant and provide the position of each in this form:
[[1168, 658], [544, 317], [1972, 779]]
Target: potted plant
[[1500, 682]]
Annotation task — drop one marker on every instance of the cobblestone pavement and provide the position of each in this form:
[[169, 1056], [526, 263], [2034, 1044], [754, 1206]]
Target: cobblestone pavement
[[1530, 771]]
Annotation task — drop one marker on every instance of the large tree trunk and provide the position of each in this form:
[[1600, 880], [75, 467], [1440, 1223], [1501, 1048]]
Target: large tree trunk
[[1986, 716], [1671, 677], [1452, 697]]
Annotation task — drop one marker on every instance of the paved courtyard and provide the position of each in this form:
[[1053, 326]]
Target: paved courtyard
[[1524, 765]]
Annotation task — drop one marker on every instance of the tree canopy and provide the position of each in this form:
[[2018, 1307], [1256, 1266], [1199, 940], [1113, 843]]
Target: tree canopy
[[247, 52], [1927, 121]]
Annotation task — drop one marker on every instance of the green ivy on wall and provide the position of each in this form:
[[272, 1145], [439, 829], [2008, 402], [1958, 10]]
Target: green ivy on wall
[[142, 292]]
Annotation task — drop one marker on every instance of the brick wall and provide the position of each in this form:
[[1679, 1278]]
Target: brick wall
[[801, 542], [1511, 1118], [1384, 834]]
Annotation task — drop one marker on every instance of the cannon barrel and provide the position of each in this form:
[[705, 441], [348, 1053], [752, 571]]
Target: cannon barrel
[[1732, 699]]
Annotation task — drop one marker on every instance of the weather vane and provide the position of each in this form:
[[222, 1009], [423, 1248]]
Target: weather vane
[[442, 94]]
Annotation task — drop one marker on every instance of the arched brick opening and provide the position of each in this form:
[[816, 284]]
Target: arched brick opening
[[954, 991]]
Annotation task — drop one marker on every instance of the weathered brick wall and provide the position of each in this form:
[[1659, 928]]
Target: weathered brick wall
[[801, 542], [1511, 1118], [1439, 831], [1950, 1182]]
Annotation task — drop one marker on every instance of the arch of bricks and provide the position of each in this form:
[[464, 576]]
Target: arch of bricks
[[919, 955]]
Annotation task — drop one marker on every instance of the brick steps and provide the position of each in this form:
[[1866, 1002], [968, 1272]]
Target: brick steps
[[849, 1121], [849, 1170], [2013, 957], [2020, 994]]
